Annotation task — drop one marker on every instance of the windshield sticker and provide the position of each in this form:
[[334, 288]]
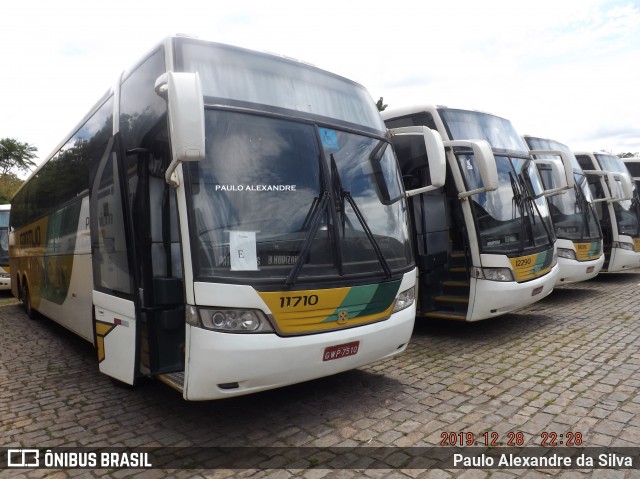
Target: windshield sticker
[[329, 139], [255, 187], [242, 245]]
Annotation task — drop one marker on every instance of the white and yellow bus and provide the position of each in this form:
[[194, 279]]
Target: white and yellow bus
[[226, 220], [5, 275], [484, 242], [578, 233], [618, 208]]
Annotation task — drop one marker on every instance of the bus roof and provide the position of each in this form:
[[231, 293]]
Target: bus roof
[[166, 42], [425, 107]]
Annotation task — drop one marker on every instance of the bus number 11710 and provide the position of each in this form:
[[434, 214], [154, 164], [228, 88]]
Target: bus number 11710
[[295, 301]]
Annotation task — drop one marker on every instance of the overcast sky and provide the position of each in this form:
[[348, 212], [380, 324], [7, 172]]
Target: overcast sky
[[563, 69]]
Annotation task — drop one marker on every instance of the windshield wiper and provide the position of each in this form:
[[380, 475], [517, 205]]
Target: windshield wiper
[[585, 210], [518, 201], [313, 219], [531, 204], [335, 175], [530, 198]]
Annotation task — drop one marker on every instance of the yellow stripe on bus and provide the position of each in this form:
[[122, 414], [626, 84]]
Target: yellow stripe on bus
[[587, 251], [102, 329], [318, 310], [531, 266]]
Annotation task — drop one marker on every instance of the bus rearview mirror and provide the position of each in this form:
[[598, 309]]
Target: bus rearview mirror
[[437, 162], [562, 172], [484, 160], [183, 93], [620, 187], [627, 187]]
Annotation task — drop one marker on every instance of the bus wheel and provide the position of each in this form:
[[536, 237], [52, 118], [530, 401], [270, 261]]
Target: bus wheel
[[26, 301]]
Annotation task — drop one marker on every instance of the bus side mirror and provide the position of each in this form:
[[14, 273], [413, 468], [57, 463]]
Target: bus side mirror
[[620, 187], [600, 175], [627, 187], [485, 162], [435, 153], [183, 93], [562, 174]]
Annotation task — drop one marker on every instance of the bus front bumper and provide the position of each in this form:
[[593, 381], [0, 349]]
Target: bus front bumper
[[572, 271], [494, 298], [223, 365]]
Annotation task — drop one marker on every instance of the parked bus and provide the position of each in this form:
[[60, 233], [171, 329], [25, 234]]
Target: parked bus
[[5, 276], [578, 233], [633, 165], [484, 242], [618, 209], [242, 218]]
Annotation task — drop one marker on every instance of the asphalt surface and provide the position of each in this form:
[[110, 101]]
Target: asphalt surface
[[567, 365]]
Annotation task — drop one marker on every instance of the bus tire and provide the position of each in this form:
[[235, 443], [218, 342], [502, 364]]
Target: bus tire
[[25, 297]]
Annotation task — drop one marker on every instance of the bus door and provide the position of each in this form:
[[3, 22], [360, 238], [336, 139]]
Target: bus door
[[114, 305], [159, 262], [138, 296]]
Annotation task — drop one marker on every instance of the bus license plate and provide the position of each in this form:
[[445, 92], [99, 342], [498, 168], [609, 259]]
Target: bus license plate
[[341, 351]]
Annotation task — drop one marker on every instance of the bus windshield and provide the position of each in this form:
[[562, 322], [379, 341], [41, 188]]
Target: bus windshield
[[515, 217], [627, 211], [611, 163], [273, 195], [235, 74], [474, 125], [572, 212], [627, 214]]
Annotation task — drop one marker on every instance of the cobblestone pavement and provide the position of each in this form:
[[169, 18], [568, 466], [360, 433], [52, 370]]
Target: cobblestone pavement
[[569, 363]]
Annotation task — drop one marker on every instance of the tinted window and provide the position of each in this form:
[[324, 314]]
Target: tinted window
[[585, 162], [109, 242], [140, 106], [634, 168], [65, 176], [243, 75], [419, 119]]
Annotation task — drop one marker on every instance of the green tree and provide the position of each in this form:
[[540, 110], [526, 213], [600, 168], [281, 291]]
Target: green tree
[[16, 156], [381, 105], [9, 184]]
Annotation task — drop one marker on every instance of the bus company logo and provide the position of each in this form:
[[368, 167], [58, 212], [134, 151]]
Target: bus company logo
[[343, 316], [23, 458]]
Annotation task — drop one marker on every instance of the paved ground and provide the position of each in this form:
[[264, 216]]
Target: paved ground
[[570, 363]]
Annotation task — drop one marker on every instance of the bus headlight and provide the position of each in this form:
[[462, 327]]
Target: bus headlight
[[229, 320], [493, 274], [567, 253], [405, 299]]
